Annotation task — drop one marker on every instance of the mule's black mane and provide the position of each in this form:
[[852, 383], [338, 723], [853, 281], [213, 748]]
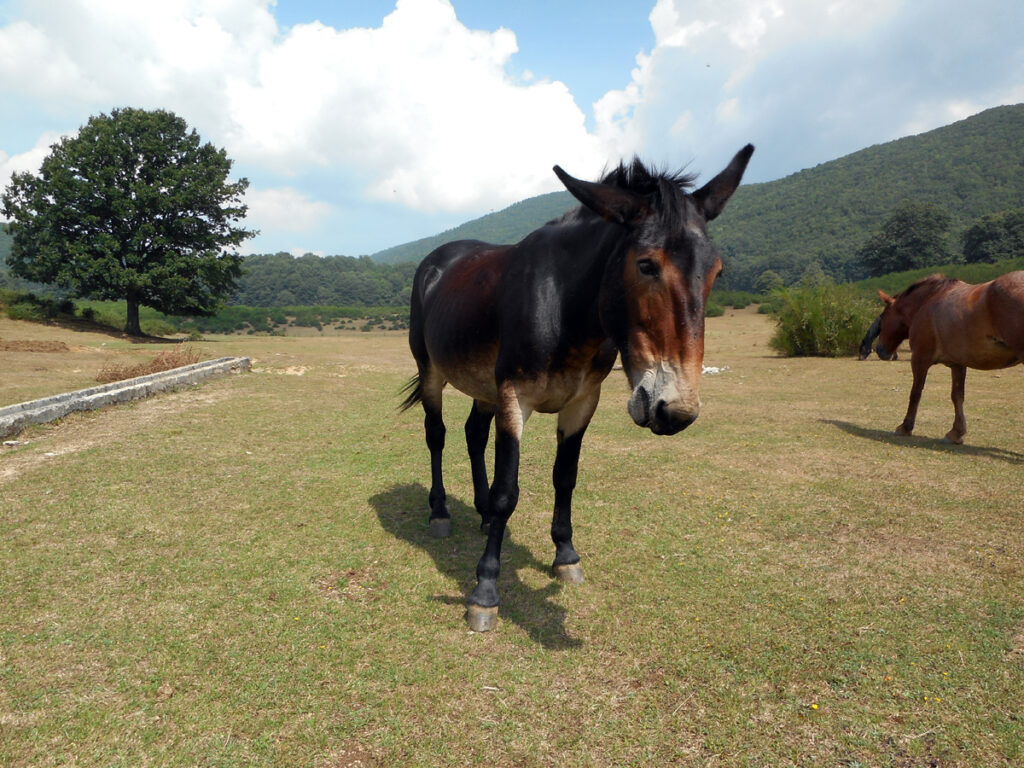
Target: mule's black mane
[[665, 191]]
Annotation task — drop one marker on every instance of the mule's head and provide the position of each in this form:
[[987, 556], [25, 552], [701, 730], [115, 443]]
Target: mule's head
[[893, 327], [656, 284]]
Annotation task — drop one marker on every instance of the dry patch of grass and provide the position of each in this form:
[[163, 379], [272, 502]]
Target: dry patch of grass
[[164, 361], [28, 345]]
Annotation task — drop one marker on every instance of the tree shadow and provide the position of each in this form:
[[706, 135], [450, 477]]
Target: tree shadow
[[402, 512], [77, 325], [934, 444]]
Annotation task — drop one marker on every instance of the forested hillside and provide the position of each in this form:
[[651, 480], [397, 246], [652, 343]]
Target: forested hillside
[[506, 226], [970, 168], [824, 214]]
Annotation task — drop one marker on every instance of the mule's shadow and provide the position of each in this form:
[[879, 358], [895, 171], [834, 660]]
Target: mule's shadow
[[402, 511], [934, 444]]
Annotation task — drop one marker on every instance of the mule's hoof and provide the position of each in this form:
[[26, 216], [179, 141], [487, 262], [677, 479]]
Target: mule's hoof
[[570, 574], [440, 527], [902, 430], [481, 619]]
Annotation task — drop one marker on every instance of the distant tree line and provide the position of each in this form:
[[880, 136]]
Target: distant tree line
[[281, 280]]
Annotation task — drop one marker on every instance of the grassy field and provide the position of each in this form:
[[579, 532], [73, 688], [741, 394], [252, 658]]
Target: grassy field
[[240, 574]]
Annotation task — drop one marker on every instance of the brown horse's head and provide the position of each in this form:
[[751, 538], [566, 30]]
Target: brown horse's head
[[656, 285], [901, 309], [893, 327]]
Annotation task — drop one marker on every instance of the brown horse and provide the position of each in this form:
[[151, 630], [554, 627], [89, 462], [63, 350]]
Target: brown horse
[[959, 325], [536, 327]]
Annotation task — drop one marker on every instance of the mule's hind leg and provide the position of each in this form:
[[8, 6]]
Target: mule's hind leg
[[956, 434], [433, 425], [478, 430], [572, 424]]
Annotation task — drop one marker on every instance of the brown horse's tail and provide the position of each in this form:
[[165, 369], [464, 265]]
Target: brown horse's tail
[[413, 391]]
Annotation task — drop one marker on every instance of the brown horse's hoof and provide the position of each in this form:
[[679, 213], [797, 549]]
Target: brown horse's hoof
[[570, 574], [902, 430], [481, 619], [440, 527], [954, 438]]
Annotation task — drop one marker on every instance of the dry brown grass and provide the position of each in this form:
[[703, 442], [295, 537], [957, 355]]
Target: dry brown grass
[[166, 360], [241, 575], [26, 345]]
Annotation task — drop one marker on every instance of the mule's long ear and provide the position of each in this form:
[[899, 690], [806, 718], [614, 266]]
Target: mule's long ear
[[713, 196], [611, 203]]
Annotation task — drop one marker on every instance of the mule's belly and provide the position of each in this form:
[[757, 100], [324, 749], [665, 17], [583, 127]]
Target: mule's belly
[[543, 392], [474, 378]]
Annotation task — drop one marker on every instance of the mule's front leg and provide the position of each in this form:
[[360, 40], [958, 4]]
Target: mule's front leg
[[567, 562], [572, 424], [956, 434], [920, 369], [482, 613]]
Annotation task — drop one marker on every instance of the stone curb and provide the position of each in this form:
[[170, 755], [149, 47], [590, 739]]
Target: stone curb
[[14, 418]]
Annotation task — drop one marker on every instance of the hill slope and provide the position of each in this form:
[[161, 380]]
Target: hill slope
[[509, 225], [823, 214]]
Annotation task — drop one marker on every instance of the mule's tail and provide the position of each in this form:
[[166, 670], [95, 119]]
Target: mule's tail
[[413, 391]]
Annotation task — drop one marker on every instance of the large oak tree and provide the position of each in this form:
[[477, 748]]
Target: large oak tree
[[134, 207]]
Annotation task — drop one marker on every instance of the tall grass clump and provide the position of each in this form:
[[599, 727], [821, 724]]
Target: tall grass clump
[[164, 361], [820, 319]]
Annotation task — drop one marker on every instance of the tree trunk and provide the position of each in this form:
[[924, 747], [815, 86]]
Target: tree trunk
[[131, 326]]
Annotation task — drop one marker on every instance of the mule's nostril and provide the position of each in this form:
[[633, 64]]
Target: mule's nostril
[[661, 413], [667, 421]]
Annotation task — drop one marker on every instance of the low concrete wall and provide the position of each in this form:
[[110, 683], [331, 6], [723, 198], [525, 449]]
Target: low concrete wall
[[14, 418]]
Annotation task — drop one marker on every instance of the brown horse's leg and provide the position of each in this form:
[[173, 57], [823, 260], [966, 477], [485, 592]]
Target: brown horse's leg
[[482, 610], [572, 424], [478, 431], [956, 434], [920, 368]]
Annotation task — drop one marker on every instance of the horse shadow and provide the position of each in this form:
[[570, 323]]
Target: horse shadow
[[402, 512], [934, 444]]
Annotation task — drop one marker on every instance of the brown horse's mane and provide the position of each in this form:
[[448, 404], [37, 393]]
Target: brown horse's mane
[[934, 282]]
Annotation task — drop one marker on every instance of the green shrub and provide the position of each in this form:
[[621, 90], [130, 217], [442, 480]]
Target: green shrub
[[711, 309], [25, 310], [28, 306], [820, 318]]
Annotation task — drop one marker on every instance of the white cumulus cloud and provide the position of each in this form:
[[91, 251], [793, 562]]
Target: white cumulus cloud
[[422, 110], [284, 208]]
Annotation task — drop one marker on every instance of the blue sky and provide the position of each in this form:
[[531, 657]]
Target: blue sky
[[362, 125]]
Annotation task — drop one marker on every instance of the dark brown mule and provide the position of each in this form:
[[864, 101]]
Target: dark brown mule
[[536, 327], [959, 325]]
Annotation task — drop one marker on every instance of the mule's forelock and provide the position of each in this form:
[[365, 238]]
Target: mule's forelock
[[665, 191]]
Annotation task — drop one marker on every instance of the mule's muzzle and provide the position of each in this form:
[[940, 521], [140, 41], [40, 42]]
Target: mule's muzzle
[[654, 407], [667, 420]]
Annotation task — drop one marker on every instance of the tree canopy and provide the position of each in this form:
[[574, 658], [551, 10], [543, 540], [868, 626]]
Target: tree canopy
[[134, 207], [913, 236], [995, 237]]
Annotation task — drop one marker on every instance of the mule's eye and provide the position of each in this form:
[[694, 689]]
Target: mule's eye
[[647, 267]]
